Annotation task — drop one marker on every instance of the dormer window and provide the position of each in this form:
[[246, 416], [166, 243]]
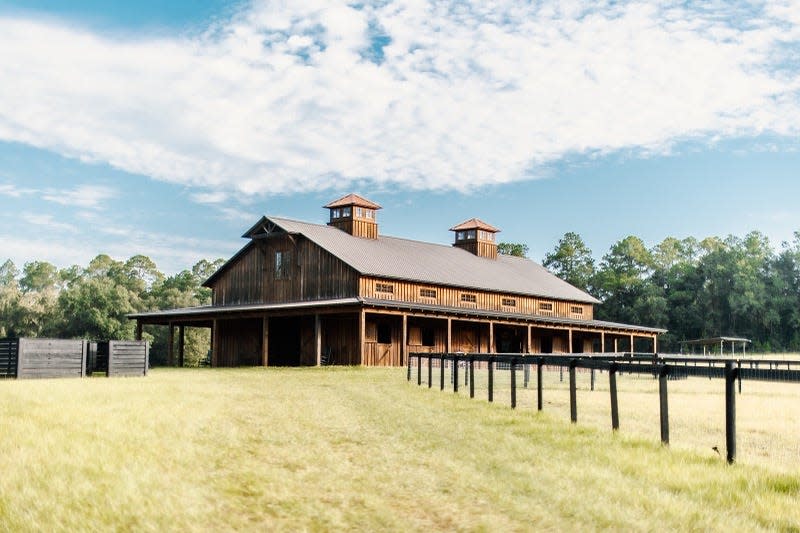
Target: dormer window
[[345, 212]]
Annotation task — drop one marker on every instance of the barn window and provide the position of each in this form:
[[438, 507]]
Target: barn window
[[545, 306], [369, 213], [509, 302], [428, 337], [576, 310], [336, 213], [345, 211], [427, 293], [283, 264], [384, 287], [384, 334], [468, 298]]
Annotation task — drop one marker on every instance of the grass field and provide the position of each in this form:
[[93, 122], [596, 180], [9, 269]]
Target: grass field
[[349, 448]]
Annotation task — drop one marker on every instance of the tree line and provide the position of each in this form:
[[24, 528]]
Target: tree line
[[693, 288]]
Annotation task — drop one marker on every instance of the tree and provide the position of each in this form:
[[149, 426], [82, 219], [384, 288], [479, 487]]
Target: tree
[[622, 282], [512, 248], [572, 261]]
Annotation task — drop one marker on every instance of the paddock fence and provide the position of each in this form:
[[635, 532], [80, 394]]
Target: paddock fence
[[456, 370], [27, 358]]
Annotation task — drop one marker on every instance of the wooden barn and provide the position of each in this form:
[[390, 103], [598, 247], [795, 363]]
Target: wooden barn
[[308, 294]]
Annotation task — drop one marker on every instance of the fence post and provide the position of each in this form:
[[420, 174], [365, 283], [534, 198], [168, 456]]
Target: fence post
[[419, 370], [471, 376], [490, 362], [591, 377], [730, 410], [739, 375], [539, 399], [612, 385], [526, 372], [513, 382], [455, 373], [573, 396], [664, 408], [430, 371], [409, 370], [441, 372]]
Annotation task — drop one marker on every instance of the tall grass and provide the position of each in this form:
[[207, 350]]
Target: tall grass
[[332, 448]]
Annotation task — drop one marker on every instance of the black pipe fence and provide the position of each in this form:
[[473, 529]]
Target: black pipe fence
[[660, 367]]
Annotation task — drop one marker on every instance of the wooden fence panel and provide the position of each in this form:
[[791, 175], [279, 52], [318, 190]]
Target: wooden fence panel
[[128, 358], [8, 358], [51, 358]]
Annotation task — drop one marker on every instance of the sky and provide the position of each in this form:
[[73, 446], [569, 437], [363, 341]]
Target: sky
[[168, 128]]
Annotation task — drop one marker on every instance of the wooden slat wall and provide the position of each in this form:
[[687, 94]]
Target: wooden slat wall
[[239, 342], [51, 358], [340, 339], [8, 358], [490, 301], [315, 275], [128, 358]]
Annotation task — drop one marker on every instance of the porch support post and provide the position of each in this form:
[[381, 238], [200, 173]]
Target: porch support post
[[181, 344], [616, 345], [404, 341], [491, 337], [362, 331], [631, 342], [318, 339], [602, 342], [528, 347], [655, 343], [265, 341], [138, 329], [449, 348], [570, 349], [171, 345], [215, 343]]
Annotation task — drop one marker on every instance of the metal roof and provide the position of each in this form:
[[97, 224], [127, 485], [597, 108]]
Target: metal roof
[[475, 223], [213, 309], [716, 340], [437, 264]]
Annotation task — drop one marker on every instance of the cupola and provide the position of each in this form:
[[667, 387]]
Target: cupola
[[355, 215], [477, 237]]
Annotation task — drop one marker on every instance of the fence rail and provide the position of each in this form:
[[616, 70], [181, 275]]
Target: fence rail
[[661, 367]]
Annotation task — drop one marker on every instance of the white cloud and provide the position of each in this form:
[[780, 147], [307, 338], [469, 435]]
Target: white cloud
[[285, 97], [85, 196], [14, 191], [47, 221]]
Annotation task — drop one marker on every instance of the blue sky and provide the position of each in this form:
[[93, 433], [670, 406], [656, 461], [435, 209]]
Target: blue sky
[[167, 129]]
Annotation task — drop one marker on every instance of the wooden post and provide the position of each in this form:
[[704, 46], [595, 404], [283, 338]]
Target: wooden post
[[539, 402], [419, 369], [471, 377], [570, 349], [663, 406], [171, 345], [362, 332], [530, 339], [632, 349], [602, 342], [730, 411], [404, 339], [85, 355], [655, 343], [455, 367], [408, 362], [430, 371], [215, 343], [318, 340], [490, 364], [573, 395], [591, 378], [491, 337], [513, 383], [441, 372], [616, 345], [739, 374], [612, 385], [181, 344], [138, 329], [449, 335], [265, 341], [526, 373]]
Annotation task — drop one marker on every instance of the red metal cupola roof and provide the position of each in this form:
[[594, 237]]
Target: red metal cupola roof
[[352, 199], [474, 223]]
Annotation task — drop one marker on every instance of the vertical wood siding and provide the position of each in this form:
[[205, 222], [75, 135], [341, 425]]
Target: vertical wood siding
[[314, 275], [404, 291]]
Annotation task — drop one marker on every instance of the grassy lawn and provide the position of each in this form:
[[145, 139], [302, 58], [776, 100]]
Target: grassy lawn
[[337, 448]]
